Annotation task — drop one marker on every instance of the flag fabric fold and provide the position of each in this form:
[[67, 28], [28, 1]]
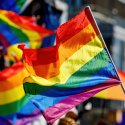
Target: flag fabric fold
[[15, 106], [75, 69], [15, 29]]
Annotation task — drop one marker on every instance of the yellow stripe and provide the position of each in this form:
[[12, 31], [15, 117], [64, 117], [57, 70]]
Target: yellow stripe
[[14, 49], [11, 95], [77, 60], [33, 35], [29, 68], [37, 43]]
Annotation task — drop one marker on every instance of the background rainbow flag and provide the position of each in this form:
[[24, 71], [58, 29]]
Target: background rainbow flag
[[15, 29], [69, 73], [16, 107], [14, 5]]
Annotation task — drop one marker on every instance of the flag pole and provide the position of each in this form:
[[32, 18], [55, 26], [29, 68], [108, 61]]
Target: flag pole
[[122, 85]]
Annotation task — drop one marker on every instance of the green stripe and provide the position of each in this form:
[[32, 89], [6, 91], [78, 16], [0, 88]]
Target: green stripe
[[13, 107], [89, 69], [21, 36], [20, 3]]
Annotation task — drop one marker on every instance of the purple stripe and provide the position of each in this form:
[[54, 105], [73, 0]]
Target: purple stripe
[[25, 119], [53, 113], [3, 41]]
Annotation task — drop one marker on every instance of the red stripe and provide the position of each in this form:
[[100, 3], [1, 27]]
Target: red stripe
[[10, 71], [72, 27], [121, 73], [91, 19], [45, 56]]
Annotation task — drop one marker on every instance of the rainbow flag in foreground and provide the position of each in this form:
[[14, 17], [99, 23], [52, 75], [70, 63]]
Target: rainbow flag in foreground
[[69, 73], [15, 106], [16, 29]]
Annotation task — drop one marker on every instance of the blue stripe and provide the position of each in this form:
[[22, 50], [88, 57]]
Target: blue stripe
[[28, 108], [10, 5], [7, 32], [53, 96]]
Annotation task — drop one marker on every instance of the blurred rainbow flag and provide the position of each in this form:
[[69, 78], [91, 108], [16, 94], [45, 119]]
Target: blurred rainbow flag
[[14, 5], [15, 106], [16, 29], [69, 73]]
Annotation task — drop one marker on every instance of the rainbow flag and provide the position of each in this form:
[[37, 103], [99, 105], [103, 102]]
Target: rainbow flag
[[70, 72], [13, 5], [16, 29], [15, 106]]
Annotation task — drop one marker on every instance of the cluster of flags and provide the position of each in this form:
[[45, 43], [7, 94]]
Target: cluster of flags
[[16, 107], [12, 95], [54, 79], [16, 29]]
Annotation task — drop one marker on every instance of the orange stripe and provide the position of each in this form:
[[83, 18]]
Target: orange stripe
[[76, 42], [46, 71], [110, 93], [13, 81], [116, 92]]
